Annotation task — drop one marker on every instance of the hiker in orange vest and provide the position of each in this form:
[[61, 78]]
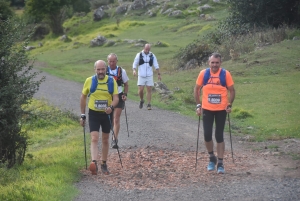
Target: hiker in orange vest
[[215, 83]]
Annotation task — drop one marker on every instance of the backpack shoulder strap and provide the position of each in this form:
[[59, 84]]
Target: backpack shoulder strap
[[223, 77], [107, 70], [206, 76], [151, 59], [119, 73], [94, 85], [141, 61], [110, 84]]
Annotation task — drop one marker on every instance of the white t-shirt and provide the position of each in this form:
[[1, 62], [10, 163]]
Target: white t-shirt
[[115, 74]]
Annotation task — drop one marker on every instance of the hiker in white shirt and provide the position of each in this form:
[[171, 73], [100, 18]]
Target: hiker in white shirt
[[145, 61]]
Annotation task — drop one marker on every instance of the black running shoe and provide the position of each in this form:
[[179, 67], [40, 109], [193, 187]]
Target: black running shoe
[[104, 169], [93, 167], [141, 104], [114, 144], [149, 106]]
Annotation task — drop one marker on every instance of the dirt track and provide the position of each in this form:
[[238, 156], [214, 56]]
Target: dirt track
[[159, 159]]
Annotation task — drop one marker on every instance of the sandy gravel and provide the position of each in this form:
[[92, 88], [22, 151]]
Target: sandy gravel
[[158, 159]]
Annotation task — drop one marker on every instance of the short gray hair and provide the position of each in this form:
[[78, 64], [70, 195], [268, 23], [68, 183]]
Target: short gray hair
[[112, 54], [215, 55]]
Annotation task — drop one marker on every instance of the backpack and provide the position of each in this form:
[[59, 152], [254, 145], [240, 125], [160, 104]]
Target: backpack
[[142, 60], [94, 85], [222, 77], [118, 78]]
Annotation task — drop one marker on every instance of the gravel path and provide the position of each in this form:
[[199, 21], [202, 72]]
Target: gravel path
[[252, 177]]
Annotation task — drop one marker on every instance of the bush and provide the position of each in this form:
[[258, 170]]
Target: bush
[[5, 10], [198, 50], [17, 87]]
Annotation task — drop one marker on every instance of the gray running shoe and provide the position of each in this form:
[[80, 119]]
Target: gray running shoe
[[104, 169], [149, 106]]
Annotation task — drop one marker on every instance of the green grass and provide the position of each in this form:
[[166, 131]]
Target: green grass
[[266, 84], [53, 160], [266, 106]]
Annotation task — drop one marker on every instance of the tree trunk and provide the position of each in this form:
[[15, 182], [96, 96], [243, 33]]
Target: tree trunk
[[55, 23]]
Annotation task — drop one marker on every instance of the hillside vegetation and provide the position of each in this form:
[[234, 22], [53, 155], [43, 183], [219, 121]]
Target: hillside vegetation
[[266, 71]]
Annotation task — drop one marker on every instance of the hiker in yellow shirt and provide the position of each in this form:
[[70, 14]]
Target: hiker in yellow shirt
[[100, 107]]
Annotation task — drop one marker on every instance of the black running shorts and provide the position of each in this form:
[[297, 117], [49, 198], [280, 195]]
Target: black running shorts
[[121, 103], [99, 119]]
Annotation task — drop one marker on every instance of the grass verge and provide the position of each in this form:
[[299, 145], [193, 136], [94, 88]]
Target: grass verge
[[53, 159]]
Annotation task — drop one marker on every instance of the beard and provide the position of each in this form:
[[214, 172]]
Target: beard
[[101, 76]]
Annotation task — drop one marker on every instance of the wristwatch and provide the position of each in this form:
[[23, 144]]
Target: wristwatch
[[82, 116], [111, 107], [198, 106]]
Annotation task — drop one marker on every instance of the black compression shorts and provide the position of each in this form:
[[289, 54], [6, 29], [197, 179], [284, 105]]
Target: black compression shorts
[[121, 103], [99, 119]]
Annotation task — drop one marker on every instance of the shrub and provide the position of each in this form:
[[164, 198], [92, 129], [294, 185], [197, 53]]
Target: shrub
[[17, 87], [198, 50]]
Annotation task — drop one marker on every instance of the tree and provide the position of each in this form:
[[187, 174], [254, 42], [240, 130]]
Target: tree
[[5, 10], [18, 84], [18, 3], [81, 5], [50, 10], [265, 12]]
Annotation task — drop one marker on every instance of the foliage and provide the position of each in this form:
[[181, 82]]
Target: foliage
[[263, 67], [53, 11], [265, 12], [55, 153], [240, 44], [17, 86], [198, 50], [18, 3], [81, 6], [5, 10]]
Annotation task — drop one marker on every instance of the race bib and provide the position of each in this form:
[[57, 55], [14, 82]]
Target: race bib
[[214, 98], [101, 104]]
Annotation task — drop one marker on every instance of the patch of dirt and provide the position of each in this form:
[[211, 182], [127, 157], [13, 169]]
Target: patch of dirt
[[153, 168]]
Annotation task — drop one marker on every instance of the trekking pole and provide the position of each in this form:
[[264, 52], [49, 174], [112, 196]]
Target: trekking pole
[[84, 147], [126, 118], [115, 140], [197, 144], [230, 138]]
